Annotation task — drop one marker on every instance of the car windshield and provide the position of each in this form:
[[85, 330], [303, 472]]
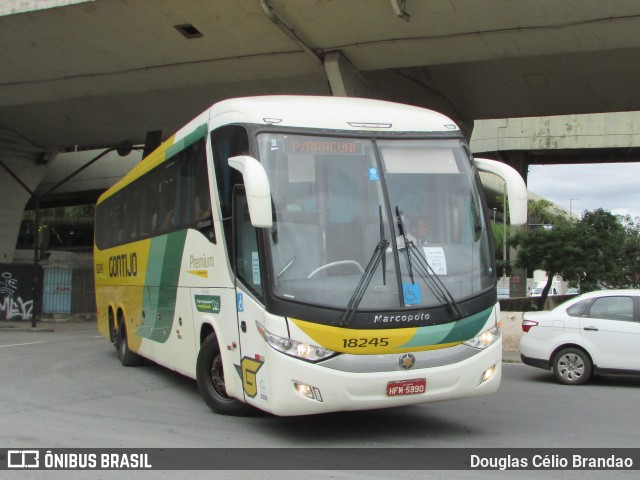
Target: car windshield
[[345, 210]]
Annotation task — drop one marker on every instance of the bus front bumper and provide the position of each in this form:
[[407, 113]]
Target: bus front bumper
[[290, 386]]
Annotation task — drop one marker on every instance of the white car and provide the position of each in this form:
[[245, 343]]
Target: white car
[[594, 333]]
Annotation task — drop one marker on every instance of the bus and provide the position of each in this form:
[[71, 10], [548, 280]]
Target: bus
[[301, 254]]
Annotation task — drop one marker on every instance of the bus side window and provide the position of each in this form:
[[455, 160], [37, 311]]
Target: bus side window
[[168, 215], [195, 195], [148, 187], [134, 213], [119, 213]]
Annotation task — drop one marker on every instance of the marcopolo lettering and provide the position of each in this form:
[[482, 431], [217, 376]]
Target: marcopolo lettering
[[125, 265], [401, 317]]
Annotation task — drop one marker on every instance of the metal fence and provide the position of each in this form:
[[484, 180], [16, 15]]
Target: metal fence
[[68, 291]]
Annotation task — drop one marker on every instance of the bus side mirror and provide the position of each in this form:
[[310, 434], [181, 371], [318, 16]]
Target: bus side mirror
[[516, 188], [256, 185]]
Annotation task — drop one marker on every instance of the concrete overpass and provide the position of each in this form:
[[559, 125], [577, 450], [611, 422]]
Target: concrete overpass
[[563, 139], [93, 72]]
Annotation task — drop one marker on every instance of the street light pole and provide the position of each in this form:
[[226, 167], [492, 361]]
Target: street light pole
[[504, 232], [571, 207]]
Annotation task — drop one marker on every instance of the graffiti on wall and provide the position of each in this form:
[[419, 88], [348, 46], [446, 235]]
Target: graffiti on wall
[[13, 305]]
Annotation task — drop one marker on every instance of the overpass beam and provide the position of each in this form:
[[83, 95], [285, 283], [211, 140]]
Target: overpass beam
[[346, 81]]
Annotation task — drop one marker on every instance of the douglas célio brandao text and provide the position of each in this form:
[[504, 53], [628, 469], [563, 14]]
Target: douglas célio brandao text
[[550, 461]]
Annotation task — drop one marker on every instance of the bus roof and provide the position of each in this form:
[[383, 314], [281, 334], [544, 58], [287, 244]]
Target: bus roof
[[333, 113]]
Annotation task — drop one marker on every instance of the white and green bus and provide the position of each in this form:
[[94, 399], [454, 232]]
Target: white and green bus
[[307, 254]]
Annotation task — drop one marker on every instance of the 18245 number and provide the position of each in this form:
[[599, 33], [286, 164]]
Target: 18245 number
[[365, 342]]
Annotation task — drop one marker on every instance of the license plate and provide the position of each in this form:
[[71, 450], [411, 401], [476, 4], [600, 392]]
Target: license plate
[[407, 387]]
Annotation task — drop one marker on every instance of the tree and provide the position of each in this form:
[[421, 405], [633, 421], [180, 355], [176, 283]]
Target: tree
[[553, 249], [598, 250], [631, 260], [602, 239]]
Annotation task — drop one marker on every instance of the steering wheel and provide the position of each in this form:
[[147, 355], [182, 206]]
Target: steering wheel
[[336, 264]]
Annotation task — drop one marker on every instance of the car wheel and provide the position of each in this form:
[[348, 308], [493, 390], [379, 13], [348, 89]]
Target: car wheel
[[572, 366], [210, 377]]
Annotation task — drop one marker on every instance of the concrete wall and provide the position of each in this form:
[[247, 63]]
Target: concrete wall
[[511, 331]]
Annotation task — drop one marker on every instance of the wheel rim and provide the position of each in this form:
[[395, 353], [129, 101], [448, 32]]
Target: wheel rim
[[571, 367], [217, 376]]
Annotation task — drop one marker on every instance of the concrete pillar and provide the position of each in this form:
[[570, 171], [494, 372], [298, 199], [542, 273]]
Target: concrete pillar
[[23, 160], [344, 79]]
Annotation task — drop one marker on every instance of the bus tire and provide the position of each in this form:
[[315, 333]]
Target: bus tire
[[126, 356], [113, 330], [210, 377]]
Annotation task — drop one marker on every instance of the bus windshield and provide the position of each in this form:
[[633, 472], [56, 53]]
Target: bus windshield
[[399, 219]]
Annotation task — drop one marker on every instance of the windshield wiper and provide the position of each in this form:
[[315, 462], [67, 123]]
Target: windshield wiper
[[377, 257], [426, 272], [402, 232]]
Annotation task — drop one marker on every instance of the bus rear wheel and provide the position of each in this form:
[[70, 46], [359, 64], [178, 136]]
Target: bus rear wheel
[[126, 356], [210, 377]]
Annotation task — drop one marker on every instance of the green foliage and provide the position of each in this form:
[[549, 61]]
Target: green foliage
[[543, 212], [599, 250]]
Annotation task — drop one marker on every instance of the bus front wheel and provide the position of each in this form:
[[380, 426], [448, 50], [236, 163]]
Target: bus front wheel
[[210, 377]]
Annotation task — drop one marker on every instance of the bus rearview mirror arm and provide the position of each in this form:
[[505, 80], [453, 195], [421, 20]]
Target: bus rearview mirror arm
[[256, 184]]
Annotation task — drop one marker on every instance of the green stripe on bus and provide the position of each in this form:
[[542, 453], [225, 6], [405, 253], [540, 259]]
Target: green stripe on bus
[[469, 327], [451, 332], [161, 286], [183, 143]]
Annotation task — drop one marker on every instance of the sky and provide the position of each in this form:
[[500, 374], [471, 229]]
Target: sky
[[614, 186]]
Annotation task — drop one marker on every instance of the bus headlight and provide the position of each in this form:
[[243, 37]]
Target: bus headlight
[[304, 351], [484, 339]]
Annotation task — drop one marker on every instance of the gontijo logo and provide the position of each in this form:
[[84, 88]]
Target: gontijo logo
[[125, 265]]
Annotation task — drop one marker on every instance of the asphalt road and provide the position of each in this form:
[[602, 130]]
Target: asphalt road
[[67, 389]]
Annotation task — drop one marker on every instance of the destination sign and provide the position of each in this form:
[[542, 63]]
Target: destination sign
[[323, 146]]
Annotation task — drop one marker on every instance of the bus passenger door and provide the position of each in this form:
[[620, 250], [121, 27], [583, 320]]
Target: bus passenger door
[[246, 260]]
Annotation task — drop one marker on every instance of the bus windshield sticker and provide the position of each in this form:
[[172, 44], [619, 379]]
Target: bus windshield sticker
[[419, 160], [374, 176], [436, 259], [255, 263], [411, 292]]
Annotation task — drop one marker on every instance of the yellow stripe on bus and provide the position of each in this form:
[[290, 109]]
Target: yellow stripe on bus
[[366, 342]]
